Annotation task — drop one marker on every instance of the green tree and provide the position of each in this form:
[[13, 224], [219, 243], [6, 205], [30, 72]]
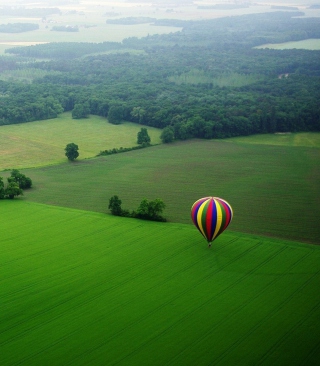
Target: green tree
[[72, 151], [167, 135], [138, 114], [23, 181], [13, 190], [116, 114], [81, 110], [115, 205], [151, 210], [143, 137]]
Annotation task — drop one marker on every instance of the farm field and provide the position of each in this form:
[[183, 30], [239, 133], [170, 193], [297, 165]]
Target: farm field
[[83, 288], [307, 139], [268, 186], [306, 44], [43, 142]]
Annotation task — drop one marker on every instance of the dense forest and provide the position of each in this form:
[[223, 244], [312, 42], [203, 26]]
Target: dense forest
[[206, 81]]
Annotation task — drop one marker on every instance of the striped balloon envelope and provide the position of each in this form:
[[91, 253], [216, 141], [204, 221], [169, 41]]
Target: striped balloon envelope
[[211, 216]]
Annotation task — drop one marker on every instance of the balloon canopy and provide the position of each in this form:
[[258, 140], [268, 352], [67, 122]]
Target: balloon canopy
[[211, 216]]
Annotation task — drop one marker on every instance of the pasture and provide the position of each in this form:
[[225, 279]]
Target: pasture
[[307, 139], [306, 44], [43, 142], [274, 190], [83, 288]]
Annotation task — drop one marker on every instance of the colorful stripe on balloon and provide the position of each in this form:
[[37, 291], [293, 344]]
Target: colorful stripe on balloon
[[211, 216]]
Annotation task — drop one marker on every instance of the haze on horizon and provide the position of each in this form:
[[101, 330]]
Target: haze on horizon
[[51, 3]]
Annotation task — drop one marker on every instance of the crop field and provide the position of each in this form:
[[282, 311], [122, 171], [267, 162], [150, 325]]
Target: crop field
[[307, 44], [274, 190], [307, 139], [43, 142], [83, 288]]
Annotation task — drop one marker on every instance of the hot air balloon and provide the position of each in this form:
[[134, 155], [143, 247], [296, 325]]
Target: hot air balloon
[[211, 216]]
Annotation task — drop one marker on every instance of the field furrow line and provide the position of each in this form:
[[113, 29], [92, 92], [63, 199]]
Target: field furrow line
[[271, 312], [145, 315], [311, 355], [283, 338], [197, 308], [238, 309], [94, 298]]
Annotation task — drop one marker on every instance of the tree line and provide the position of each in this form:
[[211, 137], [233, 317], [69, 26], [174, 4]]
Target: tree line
[[147, 210]]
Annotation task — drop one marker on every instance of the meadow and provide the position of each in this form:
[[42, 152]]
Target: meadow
[[307, 139], [43, 142], [83, 288], [306, 44], [273, 189]]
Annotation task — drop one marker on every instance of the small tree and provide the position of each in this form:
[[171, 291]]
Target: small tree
[[143, 137], [138, 114], [23, 181], [115, 205], [151, 210], [80, 110], [116, 114], [13, 190], [167, 135], [71, 151]]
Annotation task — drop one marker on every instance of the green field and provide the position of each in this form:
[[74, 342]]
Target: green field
[[306, 44], [307, 139], [83, 288], [274, 190], [43, 142], [79, 286]]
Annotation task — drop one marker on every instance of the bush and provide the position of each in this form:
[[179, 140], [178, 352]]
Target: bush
[[147, 210], [12, 190], [151, 210], [23, 181], [72, 151], [115, 205], [167, 135], [143, 137]]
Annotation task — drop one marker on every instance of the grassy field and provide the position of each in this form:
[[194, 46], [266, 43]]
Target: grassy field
[[307, 139], [82, 288], [274, 190], [307, 44], [43, 142]]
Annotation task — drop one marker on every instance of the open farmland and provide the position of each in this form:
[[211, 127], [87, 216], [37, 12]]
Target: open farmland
[[306, 44], [90, 19], [83, 288], [274, 190], [43, 142], [307, 139]]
